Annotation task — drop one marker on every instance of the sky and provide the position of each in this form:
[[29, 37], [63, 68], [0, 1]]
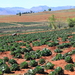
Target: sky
[[34, 3]]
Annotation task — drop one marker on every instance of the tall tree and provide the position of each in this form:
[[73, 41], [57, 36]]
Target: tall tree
[[19, 13], [52, 21]]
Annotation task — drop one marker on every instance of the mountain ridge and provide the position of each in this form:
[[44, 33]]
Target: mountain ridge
[[14, 10]]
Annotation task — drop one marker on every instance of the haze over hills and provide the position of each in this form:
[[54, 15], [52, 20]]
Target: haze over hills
[[14, 10]]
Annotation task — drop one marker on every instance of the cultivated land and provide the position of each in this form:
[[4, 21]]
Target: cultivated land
[[36, 42], [32, 22]]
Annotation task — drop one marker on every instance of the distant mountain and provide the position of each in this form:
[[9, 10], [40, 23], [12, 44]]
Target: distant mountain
[[14, 10]]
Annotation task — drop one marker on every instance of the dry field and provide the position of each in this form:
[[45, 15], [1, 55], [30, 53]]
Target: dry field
[[37, 17]]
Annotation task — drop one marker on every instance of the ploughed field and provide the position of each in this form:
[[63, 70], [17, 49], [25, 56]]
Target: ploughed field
[[38, 17], [44, 53]]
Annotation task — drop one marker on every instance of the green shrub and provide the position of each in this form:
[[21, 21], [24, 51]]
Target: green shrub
[[66, 54], [12, 48], [2, 61], [31, 72], [36, 43], [17, 51], [59, 71], [46, 52], [71, 22], [12, 53], [74, 64], [27, 56], [70, 53], [29, 49], [64, 45], [35, 55], [58, 51], [2, 50], [18, 55], [33, 63], [58, 57], [24, 65], [39, 69], [24, 50], [73, 45], [14, 67], [1, 73], [52, 73], [68, 59], [49, 65], [73, 51], [4, 68], [12, 61], [51, 44], [69, 67], [6, 59], [27, 45], [41, 61]]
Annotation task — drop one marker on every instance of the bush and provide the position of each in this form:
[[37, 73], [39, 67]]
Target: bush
[[31, 72], [58, 51], [36, 43], [46, 52], [59, 71], [12, 53], [6, 59], [17, 51], [39, 69], [41, 61], [49, 65], [58, 57], [66, 54], [24, 50], [64, 45], [1, 73], [24, 65], [27, 56], [14, 67], [69, 67], [18, 55], [68, 59], [33, 63], [52, 73], [4, 68], [2, 50], [71, 22], [29, 49], [74, 64], [12, 61], [12, 48], [73, 51], [51, 44], [2, 61]]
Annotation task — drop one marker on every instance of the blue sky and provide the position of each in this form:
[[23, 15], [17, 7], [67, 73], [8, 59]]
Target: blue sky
[[33, 3]]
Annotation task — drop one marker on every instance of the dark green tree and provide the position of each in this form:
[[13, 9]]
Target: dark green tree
[[19, 13], [49, 9]]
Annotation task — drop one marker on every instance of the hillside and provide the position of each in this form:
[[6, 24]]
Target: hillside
[[38, 17]]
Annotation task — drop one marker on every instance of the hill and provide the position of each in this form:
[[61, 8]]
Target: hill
[[14, 10], [38, 17]]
